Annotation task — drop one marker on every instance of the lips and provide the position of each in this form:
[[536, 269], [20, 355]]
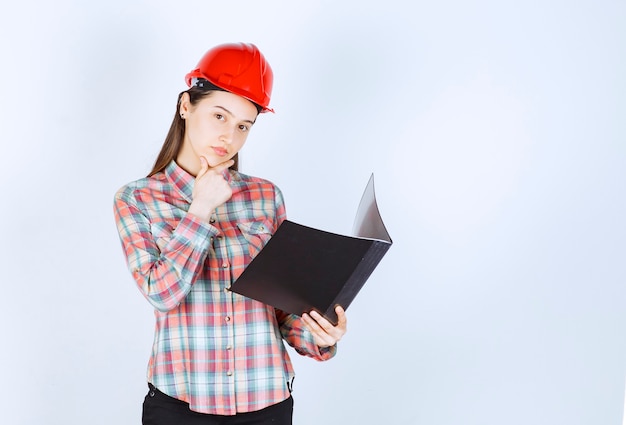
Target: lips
[[219, 151]]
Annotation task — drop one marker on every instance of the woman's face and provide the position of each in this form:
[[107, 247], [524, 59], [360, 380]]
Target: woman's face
[[215, 128]]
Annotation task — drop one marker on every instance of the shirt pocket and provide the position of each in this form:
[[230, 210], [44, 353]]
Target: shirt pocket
[[256, 234]]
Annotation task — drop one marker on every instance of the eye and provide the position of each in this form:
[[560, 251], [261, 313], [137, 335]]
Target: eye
[[219, 117], [243, 128]]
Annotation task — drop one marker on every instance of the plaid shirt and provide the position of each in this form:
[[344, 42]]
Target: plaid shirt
[[215, 349]]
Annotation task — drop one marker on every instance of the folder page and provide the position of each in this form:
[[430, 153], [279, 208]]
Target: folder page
[[303, 268]]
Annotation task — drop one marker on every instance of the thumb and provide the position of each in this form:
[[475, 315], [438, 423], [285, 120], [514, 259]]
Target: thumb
[[341, 316]]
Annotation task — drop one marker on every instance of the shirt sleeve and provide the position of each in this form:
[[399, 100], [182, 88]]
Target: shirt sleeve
[[279, 206], [164, 276]]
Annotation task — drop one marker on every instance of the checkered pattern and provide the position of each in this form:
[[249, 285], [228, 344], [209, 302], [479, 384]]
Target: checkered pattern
[[215, 349]]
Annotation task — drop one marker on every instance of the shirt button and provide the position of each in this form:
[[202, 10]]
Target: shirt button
[[227, 318], [225, 265], [212, 220], [262, 228], [229, 373], [228, 347]]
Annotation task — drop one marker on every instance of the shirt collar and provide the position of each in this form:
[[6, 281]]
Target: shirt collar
[[180, 179], [184, 182]]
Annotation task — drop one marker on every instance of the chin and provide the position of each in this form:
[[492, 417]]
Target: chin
[[217, 160]]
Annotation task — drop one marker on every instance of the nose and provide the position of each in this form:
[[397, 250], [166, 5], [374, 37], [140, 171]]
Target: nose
[[228, 135]]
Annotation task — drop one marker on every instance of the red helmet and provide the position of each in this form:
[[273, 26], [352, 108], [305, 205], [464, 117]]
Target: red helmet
[[239, 68]]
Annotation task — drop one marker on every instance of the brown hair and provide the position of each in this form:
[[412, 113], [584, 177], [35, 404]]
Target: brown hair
[[174, 139]]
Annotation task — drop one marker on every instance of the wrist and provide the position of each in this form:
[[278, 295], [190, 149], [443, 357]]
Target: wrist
[[200, 213]]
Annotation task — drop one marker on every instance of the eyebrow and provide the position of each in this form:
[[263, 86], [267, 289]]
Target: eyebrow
[[232, 115]]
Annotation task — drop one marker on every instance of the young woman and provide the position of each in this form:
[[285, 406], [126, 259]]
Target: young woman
[[189, 230]]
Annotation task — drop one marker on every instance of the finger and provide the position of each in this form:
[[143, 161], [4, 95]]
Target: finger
[[219, 168], [322, 322], [204, 167], [320, 336], [312, 324], [342, 320], [324, 329]]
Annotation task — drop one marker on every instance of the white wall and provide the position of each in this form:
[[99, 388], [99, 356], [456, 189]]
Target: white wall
[[496, 133]]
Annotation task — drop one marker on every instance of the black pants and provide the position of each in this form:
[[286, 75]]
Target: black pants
[[161, 409]]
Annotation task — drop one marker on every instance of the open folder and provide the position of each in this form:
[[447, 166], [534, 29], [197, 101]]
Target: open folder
[[301, 268]]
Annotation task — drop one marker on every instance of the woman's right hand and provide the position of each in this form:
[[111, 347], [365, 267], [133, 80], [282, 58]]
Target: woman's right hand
[[210, 189]]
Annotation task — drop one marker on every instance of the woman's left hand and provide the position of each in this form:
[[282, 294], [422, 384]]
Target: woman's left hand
[[324, 333]]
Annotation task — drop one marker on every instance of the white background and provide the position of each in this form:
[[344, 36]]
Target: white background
[[496, 133]]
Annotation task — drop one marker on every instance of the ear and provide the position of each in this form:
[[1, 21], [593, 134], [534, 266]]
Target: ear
[[185, 104]]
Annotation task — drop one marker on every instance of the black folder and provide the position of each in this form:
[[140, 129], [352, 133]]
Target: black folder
[[301, 268]]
